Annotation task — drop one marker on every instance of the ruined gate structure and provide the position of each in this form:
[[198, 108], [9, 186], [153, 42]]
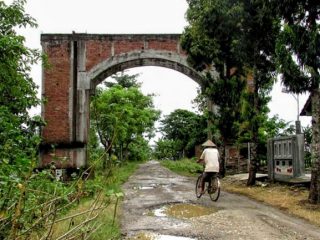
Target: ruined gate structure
[[77, 64]]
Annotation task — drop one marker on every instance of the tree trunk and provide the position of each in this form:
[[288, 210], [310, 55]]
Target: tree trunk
[[314, 194], [255, 131], [253, 166]]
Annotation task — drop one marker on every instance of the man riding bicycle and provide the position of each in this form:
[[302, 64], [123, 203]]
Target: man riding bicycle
[[210, 159]]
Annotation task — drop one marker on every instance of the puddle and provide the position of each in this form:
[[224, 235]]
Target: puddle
[[151, 236], [183, 210], [151, 186]]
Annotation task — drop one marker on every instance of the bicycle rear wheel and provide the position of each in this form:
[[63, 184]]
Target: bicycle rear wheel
[[214, 190], [198, 187]]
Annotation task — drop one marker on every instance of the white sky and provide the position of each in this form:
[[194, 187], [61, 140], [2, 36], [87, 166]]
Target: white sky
[[174, 90]]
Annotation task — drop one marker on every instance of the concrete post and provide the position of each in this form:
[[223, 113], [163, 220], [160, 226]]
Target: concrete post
[[83, 96]]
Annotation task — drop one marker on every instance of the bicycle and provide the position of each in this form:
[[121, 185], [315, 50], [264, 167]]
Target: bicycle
[[212, 187]]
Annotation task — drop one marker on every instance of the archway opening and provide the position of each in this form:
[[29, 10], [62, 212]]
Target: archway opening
[[171, 90]]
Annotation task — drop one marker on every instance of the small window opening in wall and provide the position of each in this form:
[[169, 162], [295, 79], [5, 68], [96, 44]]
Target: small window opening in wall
[[278, 163], [290, 163], [280, 149], [285, 150], [283, 163], [290, 148]]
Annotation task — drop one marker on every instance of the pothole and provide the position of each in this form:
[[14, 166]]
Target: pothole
[[151, 186], [152, 236], [184, 211]]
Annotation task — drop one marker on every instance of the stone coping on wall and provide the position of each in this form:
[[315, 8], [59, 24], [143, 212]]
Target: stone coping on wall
[[90, 36]]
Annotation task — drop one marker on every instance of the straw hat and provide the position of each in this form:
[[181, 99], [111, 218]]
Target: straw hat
[[208, 143]]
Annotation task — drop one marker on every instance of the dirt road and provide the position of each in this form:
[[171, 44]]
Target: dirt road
[[160, 204]]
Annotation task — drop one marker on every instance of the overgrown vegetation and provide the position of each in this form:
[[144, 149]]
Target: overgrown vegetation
[[43, 207], [33, 203], [106, 224], [19, 187]]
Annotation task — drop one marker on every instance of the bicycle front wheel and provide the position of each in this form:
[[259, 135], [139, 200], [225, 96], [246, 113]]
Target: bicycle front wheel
[[214, 190], [198, 187]]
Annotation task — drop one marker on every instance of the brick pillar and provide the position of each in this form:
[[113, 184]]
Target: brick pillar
[[66, 110]]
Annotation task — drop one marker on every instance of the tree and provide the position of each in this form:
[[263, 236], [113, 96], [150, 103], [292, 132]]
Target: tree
[[255, 51], [186, 128], [167, 149], [298, 54], [124, 80], [227, 92], [17, 89], [237, 37], [276, 127], [122, 115], [208, 39], [19, 138]]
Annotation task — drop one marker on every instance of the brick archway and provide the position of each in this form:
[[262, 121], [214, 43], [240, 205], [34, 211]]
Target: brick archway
[[77, 64]]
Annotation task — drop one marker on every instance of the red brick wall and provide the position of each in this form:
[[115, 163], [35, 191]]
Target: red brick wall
[[100, 50], [126, 46], [56, 93], [96, 52], [166, 45]]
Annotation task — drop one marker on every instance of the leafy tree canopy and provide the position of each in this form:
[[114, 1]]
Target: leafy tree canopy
[[124, 80], [298, 46], [17, 89], [238, 38], [121, 114], [185, 127]]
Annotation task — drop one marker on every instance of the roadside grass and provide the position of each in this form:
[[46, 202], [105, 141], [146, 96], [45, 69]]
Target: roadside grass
[[291, 199], [186, 167], [107, 222]]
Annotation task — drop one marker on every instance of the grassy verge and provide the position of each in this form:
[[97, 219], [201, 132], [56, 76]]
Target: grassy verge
[[291, 199], [107, 223], [110, 229], [186, 167]]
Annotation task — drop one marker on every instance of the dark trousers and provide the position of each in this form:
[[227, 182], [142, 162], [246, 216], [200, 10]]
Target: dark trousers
[[208, 175]]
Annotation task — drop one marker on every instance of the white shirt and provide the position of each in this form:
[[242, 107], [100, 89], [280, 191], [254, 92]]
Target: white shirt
[[211, 159]]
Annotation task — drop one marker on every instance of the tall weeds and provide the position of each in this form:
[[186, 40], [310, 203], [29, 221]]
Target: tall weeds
[[40, 207]]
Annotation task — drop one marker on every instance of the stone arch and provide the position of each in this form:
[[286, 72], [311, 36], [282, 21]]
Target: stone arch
[[133, 59], [78, 63]]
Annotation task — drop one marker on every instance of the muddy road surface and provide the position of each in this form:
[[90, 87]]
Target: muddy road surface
[[160, 204]]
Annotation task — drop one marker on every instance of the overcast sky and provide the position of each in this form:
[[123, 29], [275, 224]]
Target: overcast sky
[[174, 90]]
